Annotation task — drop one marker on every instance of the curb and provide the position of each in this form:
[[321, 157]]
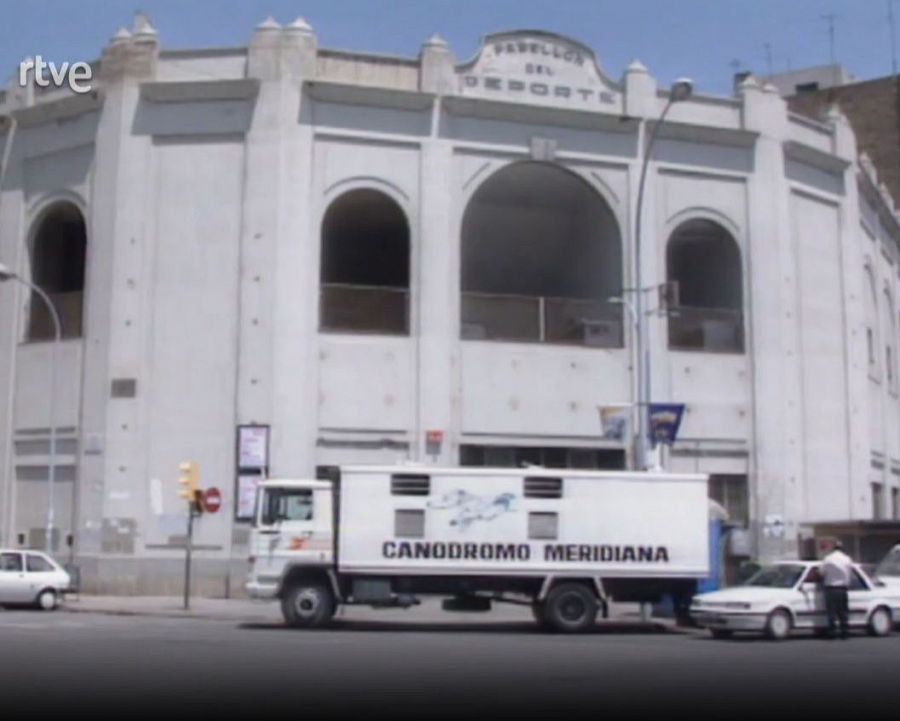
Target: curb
[[173, 613], [606, 625]]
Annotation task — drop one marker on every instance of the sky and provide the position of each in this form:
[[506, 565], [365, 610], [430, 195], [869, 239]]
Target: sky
[[706, 40]]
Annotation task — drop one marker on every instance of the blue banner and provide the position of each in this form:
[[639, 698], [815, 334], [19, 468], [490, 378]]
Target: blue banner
[[664, 420]]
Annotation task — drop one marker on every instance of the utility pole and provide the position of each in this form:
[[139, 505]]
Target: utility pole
[[681, 90], [36, 290], [768, 48], [189, 479]]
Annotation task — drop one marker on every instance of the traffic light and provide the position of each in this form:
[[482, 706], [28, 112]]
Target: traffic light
[[189, 479]]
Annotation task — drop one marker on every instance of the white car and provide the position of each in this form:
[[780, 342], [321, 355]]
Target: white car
[[788, 595], [888, 570], [32, 578]]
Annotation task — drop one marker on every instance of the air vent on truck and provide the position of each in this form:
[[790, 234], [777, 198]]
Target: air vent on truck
[[410, 484], [536, 487]]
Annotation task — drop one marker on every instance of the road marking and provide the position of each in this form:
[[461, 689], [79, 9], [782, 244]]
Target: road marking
[[42, 626]]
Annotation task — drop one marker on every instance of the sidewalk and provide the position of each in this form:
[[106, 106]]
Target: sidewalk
[[625, 617]]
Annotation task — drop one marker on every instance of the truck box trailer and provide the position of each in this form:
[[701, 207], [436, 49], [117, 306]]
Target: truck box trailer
[[564, 542]]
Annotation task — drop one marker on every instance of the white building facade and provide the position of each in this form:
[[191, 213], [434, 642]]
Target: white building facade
[[374, 258]]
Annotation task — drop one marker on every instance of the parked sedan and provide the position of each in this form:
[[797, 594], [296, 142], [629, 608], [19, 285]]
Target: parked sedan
[[785, 596], [31, 578], [888, 570]]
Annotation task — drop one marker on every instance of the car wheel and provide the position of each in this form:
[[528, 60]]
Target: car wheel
[[721, 633], [880, 622], [307, 605], [778, 625], [570, 608], [47, 600]]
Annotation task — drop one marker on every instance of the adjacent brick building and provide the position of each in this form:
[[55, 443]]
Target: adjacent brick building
[[873, 108]]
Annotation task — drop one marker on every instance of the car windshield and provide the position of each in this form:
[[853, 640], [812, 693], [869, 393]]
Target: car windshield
[[890, 565], [784, 575]]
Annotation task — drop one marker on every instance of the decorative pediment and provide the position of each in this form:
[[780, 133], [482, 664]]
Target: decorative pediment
[[538, 67]]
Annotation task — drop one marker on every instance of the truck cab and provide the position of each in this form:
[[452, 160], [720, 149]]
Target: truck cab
[[292, 525]]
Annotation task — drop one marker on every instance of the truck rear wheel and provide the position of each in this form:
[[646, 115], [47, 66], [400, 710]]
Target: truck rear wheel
[[570, 608], [307, 604]]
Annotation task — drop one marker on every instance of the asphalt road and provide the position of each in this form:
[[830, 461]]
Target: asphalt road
[[78, 662]]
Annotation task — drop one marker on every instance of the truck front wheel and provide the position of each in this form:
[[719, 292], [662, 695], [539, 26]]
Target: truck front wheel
[[307, 604], [570, 608]]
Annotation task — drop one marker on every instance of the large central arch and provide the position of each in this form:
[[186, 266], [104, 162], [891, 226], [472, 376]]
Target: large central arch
[[541, 257]]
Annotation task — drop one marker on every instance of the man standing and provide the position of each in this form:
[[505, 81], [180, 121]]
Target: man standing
[[836, 569]]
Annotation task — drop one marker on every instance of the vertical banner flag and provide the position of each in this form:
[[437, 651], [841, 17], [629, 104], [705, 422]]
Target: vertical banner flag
[[614, 421], [664, 421]]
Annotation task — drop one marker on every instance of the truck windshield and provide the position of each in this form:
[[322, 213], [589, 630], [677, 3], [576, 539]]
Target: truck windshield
[[287, 504], [784, 575]]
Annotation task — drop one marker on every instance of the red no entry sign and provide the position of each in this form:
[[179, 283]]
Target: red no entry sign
[[212, 500]]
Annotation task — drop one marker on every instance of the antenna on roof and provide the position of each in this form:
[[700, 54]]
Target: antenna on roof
[[830, 18], [893, 31]]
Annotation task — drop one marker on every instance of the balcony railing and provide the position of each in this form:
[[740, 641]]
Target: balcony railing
[[69, 308], [718, 330], [541, 319], [364, 309]]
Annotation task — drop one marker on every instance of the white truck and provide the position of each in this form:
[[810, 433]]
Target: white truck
[[564, 542]]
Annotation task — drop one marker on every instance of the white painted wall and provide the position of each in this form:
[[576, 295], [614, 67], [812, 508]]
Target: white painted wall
[[203, 266], [821, 319], [190, 357]]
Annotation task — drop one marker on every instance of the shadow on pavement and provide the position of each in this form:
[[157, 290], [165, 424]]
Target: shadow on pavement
[[799, 637], [499, 627]]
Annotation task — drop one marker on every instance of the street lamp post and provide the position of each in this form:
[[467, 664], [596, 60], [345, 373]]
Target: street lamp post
[[681, 90], [7, 274]]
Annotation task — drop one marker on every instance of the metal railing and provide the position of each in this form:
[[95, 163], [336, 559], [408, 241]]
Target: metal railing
[[364, 309], [540, 319], [718, 330]]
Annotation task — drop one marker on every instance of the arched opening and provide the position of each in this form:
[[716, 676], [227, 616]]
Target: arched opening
[[871, 309], [541, 257], [58, 252], [704, 260], [365, 265], [889, 330]]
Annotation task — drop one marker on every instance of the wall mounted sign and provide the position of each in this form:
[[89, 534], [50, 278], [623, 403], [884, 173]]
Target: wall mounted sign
[[252, 466], [253, 446], [246, 495], [538, 67]]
